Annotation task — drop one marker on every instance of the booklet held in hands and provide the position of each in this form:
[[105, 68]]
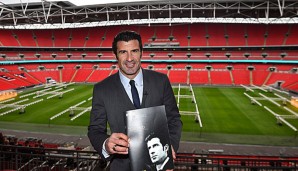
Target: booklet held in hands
[[149, 146]]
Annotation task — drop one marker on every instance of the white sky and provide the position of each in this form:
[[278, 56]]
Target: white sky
[[76, 2]]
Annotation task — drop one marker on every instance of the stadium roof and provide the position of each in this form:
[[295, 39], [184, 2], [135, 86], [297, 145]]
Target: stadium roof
[[42, 14], [74, 2]]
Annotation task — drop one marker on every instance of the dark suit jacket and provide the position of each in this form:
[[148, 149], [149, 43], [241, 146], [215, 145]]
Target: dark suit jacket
[[110, 103]]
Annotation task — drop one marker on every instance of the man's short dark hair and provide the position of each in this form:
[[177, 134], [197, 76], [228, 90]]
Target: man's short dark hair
[[149, 137], [154, 135], [126, 36]]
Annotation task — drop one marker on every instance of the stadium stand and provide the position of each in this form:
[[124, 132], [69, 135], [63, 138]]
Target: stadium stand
[[178, 76], [259, 74], [94, 37], [61, 38], [219, 74], [276, 35], [198, 35], [25, 37], [109, 35], [44, 38], [98, 75], [286, 79], [83, 73], [185, 35], [8, 38], [291, 35], [241, 74], [181, 34], [255, 35], [6, 85], [162, 33], [78, 37], [216, 35], [68, 71], [147, 34], [202, 79], [219, 54], [235, 35]]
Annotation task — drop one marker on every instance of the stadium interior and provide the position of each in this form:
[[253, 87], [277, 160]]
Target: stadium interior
[[244, 44]]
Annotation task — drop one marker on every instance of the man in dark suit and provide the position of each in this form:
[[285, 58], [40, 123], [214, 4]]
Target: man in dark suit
[[112, 97]]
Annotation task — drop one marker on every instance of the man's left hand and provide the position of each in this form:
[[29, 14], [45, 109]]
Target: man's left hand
[[173, 153]]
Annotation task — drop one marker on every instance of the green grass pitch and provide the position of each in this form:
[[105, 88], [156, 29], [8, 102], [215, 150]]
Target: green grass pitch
[[227, 115]]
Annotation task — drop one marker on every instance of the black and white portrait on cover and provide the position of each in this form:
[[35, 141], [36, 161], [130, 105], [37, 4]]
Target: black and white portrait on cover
[[158, 149]]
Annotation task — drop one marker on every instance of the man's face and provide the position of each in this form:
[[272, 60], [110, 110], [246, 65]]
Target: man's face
[[129, 58], [156, 151]]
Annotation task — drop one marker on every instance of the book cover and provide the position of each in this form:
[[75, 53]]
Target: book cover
[[149, 146]]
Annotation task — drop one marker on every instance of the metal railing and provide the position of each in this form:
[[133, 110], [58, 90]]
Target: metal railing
[[211, 162], [26, 158], [21, 158]]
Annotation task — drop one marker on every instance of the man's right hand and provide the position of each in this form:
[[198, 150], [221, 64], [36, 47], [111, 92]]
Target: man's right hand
[[117, 143]]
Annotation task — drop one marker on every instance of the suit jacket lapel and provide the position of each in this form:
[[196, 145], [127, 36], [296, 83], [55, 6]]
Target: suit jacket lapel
[[125, 100], [146, 85], [121, 103]]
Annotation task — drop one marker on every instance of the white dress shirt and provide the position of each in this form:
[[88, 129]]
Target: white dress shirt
[[138, 82]]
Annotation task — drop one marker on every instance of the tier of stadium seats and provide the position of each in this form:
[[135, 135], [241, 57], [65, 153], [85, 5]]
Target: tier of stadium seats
[[260, 74], [181, 35], [182, 30], [24, 75], [197, 35], [286, 79], [154, 55], [176, 35], [236, 34], [17, 79], [215, 35], [178, 76], [199, 77]]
